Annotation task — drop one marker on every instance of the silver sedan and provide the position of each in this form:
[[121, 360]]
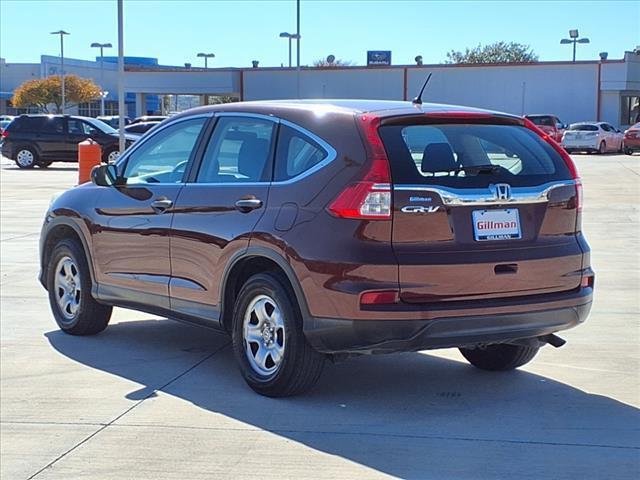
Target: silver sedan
[[601, 137]]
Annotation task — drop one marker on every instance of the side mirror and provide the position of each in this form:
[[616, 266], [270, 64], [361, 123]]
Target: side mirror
[[104, 175]]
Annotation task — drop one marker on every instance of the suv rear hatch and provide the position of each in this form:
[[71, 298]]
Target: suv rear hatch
[[483, 207]]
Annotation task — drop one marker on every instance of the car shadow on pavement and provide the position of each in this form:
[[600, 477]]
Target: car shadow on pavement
[[409, 415]]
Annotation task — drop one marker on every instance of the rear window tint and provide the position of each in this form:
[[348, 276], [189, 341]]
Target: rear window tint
[[584, 127], [464, 155]]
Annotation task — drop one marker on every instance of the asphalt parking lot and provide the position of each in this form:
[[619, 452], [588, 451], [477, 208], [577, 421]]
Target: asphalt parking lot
[[152, 398]]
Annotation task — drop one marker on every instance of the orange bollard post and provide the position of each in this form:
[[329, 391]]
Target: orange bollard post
[[89, 155]]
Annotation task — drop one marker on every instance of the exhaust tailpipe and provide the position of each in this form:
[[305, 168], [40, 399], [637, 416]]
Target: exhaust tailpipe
[[553, 339]]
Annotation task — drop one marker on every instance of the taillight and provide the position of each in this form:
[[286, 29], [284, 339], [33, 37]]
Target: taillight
[[5, 134], [369, 198], [565, 156]]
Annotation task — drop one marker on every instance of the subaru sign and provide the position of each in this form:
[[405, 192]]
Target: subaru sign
[[378, 57]]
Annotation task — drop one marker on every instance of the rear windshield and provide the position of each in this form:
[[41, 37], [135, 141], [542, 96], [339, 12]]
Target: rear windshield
[[584, 126], [464, 155], [543, 121]]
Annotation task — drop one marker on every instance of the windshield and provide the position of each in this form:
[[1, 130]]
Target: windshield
[[100, 125], [470, 155], [584, 127]]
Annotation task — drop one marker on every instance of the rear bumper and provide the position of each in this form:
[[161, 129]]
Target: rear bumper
[[387, 336], [580, 144]]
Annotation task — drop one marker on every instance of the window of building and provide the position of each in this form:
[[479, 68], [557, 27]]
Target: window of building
[[630, 111]]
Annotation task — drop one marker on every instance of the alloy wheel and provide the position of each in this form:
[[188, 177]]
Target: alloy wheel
[[67, 287], [264, 335]]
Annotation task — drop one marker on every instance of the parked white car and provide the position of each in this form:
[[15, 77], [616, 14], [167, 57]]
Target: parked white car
[[601, 137]]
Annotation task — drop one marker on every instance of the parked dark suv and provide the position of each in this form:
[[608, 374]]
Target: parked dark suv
[[309, 229], [40, 140]]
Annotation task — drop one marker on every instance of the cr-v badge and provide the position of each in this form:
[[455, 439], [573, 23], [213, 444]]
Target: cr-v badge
[[419, 209]]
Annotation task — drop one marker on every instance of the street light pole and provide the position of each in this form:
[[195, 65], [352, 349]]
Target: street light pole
[[573, 34], [206, 57], [290, 36], [62, 33], [298, 47], [121, 142], [101, 46]]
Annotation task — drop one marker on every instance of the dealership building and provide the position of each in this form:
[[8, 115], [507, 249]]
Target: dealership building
[[607, 90]]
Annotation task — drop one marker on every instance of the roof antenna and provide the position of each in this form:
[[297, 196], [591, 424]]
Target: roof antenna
[[418, 99]]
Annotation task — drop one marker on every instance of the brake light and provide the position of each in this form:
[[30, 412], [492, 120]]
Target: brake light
[[565, 156], [369, 198], [5, 134]]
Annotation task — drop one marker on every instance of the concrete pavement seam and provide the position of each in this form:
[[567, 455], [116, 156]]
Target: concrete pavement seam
[[104, 426]]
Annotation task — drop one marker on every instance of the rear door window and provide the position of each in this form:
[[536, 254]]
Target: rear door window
[[470, 155], [239, 151]]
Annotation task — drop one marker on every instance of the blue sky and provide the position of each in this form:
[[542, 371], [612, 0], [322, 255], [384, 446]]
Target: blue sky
[[238, 32]]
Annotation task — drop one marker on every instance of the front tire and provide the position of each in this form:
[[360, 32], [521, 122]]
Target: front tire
[[272, 352], [69, 284], [499, 357], [26, 157], [628, 151]]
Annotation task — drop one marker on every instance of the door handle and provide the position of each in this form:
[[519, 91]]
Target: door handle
[[161, 205], [245, 205]]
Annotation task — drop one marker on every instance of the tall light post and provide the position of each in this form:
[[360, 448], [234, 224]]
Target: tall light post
[[298, 47], [103, 94], [62, 33], [206, 57], [290, 36], [121, 142], [573, 34]]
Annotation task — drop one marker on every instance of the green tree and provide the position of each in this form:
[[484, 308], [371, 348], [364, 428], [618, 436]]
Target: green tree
[[48, 91], [499, 52], [322, 62]]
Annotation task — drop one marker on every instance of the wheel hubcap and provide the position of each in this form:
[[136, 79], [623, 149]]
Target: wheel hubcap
[[67, 287], [264, 335], [113, 156], [24, 158]]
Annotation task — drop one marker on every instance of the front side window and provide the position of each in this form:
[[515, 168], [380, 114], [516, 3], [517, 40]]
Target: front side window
[[239, 151], [163, 157], [296, 153]]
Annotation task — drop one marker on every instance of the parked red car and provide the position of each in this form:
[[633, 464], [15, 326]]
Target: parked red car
[[631, 142], [314, 229], [549, 124]]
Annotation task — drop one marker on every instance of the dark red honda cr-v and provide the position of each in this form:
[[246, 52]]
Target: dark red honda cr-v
[[308, 229]]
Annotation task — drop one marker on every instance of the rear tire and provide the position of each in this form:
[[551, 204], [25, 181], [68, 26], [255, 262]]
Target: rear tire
[[272, 352], [628, 151], [110, 155], [499, 357], [26, 157], [69, 284], [602, 149]]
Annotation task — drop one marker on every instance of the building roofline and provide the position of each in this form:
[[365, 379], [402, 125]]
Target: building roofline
[[168, 68]]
